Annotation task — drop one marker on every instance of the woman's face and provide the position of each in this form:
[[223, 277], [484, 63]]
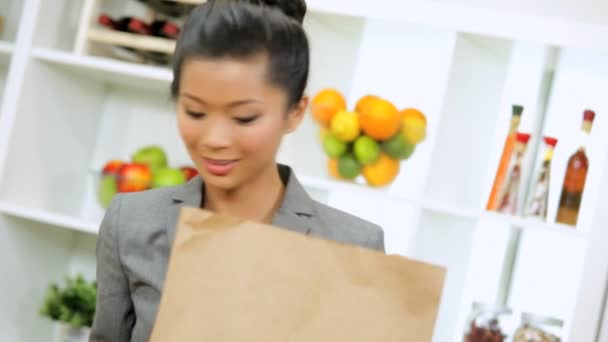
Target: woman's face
[[232, 119]]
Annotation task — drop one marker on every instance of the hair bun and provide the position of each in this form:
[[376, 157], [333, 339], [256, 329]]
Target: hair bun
[[295, 9]]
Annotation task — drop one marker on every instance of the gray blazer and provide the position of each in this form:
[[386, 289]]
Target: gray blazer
[[138, 230]]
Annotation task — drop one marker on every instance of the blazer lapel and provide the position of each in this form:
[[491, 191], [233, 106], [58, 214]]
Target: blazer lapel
[[295, 213], [296, 210], [187, 195]]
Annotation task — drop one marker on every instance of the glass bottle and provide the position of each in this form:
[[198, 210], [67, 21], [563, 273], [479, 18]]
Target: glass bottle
[[505, 158], [484, 324], [576, 174], [510, 191], [534, 328], [537, 204]]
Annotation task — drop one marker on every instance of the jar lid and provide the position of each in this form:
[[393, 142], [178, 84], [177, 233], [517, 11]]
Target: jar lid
[[485, 307], [541, 320]]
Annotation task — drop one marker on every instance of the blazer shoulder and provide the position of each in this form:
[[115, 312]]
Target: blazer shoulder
[[348, 228], [149, 201], [140, 213]]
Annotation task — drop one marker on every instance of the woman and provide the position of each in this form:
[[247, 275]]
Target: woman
[[239, 75]]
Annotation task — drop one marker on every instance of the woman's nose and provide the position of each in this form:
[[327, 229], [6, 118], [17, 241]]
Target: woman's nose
[[217, 134]]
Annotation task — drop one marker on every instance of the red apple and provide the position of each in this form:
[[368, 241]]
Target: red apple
[[112, 167], [189, 172], [134, 177]]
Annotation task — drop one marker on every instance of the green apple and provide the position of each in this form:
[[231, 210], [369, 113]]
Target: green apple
[[168, 177], [107, 190], [153, 156]]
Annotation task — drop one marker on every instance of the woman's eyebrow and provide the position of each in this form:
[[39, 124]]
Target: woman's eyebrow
[[231, 104]]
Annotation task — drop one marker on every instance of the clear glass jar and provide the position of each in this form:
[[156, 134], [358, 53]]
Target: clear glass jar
[[536, 328], [484, 324]]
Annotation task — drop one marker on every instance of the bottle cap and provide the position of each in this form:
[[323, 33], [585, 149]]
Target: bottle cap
[[522, 137], [518, 110], [542, 320], [550, 141], [138, 26], [104, 19], [589, 115], [171, 30]]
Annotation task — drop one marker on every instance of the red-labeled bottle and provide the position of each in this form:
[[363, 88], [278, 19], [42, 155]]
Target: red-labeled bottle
[[509, 197]]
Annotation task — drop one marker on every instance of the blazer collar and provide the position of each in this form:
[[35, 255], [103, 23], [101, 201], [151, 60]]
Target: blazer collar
[[294, 213]]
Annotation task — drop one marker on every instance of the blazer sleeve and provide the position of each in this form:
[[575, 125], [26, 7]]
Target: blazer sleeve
[[377, 240], [114, 315]]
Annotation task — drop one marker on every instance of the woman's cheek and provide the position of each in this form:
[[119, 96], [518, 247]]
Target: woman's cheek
[[264, 138]]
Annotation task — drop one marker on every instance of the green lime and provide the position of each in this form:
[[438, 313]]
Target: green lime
[[398, 147], [366, 150], [333, 147], [348, 167]]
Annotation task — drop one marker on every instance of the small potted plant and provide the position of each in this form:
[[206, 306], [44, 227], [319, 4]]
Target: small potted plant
[[72, 308]]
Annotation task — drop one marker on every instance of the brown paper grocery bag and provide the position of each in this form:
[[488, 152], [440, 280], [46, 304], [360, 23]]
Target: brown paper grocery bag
[[234, 280]]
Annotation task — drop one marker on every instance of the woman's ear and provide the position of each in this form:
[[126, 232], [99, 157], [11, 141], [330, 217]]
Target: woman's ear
[[296, 114]]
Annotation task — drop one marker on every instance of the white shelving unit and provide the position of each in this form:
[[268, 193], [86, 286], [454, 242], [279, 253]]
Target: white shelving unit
[[6, 49], [68, 108]]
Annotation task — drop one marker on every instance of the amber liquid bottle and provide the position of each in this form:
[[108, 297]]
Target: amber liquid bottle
[[574, 181]]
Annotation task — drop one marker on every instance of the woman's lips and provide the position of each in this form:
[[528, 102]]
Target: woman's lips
[[219, 167]]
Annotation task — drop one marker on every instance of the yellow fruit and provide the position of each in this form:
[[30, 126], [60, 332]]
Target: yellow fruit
[[382, 172], [345, 126], [413, 114], [413, 125], [326, 104]]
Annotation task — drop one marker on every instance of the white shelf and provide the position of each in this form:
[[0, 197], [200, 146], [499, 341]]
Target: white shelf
[[6, 51], [6, 48], [343, 186], [460, 18], [442, 208], [61, 221], [191, 2], [109, 70], [91, 227], [534, 224]]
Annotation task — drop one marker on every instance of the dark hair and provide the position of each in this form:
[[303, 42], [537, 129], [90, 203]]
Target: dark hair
[[242, 28]]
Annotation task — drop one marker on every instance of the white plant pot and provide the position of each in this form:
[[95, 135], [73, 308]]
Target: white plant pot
[[66, 333]]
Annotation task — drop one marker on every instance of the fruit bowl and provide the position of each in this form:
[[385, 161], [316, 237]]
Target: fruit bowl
[[371, 141], [147, 169]]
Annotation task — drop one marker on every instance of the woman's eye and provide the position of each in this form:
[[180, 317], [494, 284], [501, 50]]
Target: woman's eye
[[195, 115], [246, 120]]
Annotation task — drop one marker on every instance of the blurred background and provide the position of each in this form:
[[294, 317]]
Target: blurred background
[[494, 165]]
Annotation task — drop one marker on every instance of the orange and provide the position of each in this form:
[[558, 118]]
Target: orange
[[379, 119], [332, 168], [326, 104], [364, 102], [382, 172]]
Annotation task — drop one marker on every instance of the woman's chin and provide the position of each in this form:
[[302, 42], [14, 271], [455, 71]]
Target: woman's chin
[[224, 183]]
